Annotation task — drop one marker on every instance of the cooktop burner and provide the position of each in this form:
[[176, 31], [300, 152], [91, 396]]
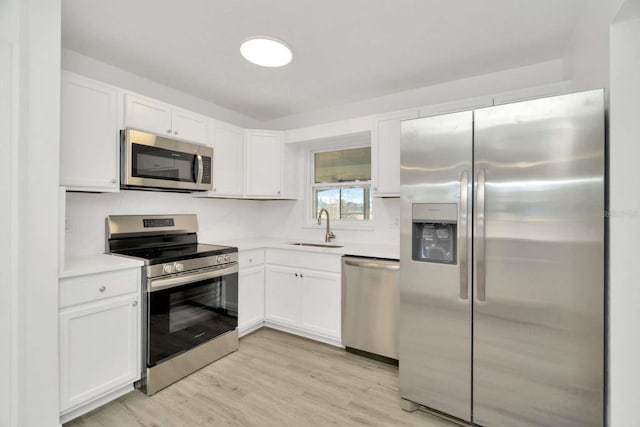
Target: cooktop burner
[[164, 254]]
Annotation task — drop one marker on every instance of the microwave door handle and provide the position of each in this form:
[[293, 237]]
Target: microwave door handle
[[200, 170]]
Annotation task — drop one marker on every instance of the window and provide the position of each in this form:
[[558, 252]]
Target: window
[[341, 183]]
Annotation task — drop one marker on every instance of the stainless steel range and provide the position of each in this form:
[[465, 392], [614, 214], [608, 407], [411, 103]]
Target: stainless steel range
[[190, 294]]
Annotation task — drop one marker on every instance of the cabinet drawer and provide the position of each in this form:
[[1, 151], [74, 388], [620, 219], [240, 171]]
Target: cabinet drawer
[[247, 259], [94, 287]]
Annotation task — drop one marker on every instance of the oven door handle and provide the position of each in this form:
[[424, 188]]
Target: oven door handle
[[172, 282]]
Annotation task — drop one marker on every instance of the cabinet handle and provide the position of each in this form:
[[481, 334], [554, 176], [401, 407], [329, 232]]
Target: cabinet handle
[[168, 130], [134, 303], [102, 288], [175, 133]]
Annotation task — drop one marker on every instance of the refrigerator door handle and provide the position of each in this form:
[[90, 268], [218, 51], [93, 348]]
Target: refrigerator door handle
[[463, 239], [479, 236]]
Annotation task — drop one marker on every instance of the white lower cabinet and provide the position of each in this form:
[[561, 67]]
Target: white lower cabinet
[[304, 297], [99, 339], [282, 296], [250, 299], [320, 302]]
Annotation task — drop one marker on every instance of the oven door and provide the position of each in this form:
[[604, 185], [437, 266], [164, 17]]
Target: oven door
[[156, 162], [184, 311]]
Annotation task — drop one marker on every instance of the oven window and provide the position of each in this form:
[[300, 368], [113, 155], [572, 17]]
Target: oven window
[[183, 317], [158, 163]]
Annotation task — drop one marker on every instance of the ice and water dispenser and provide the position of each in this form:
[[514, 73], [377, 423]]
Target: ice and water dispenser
[[435, 232]]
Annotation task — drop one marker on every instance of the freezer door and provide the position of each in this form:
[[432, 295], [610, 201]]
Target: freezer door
[[435, 296], [539, 263]]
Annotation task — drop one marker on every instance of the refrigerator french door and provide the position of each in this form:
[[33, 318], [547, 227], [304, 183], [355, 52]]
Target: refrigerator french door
[[502, 263]]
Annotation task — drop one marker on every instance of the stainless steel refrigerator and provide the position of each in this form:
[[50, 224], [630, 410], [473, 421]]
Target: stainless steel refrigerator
[[502, 263]]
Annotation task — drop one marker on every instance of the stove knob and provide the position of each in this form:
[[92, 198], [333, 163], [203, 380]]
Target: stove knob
[[220, 259], [227, 258], [168, 268], [179, 266]]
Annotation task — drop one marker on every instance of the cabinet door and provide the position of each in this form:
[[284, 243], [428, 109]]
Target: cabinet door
[[250, 298], [99, 349], [320, 303], [188, 125], [228, 159], [147, 114], [385, 153], [264, 163], [282, 295], [88, 135]]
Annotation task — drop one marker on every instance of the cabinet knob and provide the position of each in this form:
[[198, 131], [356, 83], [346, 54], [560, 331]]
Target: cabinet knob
[[134, 303], [215, 189], [301, 276], [168, 130], [375, 188], [278, 191], [250, 259], [102, 288], [113, 181], [296, 274], [175, 133]]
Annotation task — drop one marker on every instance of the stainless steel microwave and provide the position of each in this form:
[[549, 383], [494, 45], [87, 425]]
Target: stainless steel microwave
[[152, 162]]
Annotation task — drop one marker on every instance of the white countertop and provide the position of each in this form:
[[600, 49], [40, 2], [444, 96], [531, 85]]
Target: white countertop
[[97, 263], [348, 248]]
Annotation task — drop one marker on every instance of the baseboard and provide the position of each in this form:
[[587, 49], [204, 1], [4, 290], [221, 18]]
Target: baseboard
[[251, 327], [95, 404], [306, 334]]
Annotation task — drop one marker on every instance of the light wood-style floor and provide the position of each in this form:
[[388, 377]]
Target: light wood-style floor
[[274, 379]]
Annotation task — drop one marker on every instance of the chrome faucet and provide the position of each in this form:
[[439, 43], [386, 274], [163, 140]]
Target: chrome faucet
[[329, 234]]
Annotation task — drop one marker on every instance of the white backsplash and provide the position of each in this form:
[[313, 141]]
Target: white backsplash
[[220, 220], [286, 219]]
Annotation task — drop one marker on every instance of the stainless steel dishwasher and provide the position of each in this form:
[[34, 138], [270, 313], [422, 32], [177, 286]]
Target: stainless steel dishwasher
[[370, 304]]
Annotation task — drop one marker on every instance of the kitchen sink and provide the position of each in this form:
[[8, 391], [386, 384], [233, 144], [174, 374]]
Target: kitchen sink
[[317, 245]]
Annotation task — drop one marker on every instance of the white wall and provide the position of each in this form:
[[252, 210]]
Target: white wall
[[29, 87], [86, 66], [501, 81], [587, 54], [219, 220], [8, 279], [624, 254]]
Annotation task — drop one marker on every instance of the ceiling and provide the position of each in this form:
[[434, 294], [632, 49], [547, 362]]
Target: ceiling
[[344, 50]]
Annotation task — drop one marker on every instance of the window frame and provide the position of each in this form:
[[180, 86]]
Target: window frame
[[309, 211]]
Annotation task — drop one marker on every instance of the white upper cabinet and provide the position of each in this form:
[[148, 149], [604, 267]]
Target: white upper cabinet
[[385, 152], [147, 114], [89, 140], [188, 125], [264, 163], [163, 119], [228, 159], [252, 164]]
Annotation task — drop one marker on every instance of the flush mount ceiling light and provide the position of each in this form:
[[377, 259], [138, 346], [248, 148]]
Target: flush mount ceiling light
[[266, 51]]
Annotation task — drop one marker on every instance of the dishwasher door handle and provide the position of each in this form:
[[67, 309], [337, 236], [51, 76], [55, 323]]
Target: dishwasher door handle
[[373, 265]]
